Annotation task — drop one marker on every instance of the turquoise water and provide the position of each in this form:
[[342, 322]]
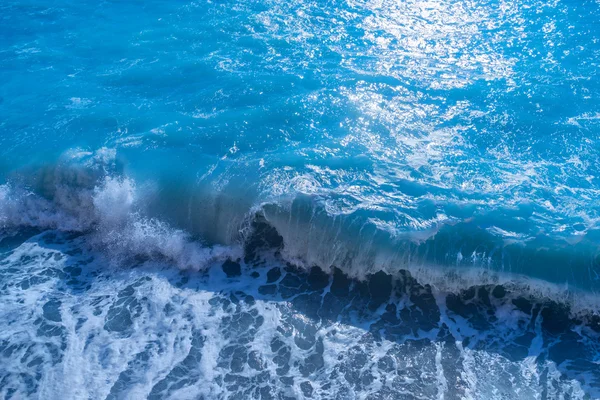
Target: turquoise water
[[453, 142]]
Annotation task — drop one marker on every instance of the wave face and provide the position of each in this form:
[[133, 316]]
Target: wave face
[[445, 151]]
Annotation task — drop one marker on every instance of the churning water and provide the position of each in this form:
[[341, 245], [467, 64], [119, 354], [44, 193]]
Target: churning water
[[357, 199]]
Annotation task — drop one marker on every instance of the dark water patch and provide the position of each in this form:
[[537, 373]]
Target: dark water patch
[[232, 268]]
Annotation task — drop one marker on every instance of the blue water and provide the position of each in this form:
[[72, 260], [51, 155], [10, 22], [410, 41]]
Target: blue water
[[435, 164]]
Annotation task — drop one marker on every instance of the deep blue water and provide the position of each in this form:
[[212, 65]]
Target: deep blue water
[[423, 176]]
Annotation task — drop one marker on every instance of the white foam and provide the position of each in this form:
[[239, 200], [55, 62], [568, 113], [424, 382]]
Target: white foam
[[165, 317], [109, 212]]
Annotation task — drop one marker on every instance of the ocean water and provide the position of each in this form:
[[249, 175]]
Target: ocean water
[[300, 200]]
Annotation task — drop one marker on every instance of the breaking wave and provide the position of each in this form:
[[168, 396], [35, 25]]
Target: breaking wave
[[87, 193]]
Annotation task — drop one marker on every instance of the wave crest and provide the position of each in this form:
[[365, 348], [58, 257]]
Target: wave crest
[[87, 193], [107, 209]]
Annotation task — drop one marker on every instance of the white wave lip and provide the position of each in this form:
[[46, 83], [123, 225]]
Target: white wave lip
[[109, 213]]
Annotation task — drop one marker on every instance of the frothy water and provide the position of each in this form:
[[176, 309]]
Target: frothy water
[[73, 327]]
